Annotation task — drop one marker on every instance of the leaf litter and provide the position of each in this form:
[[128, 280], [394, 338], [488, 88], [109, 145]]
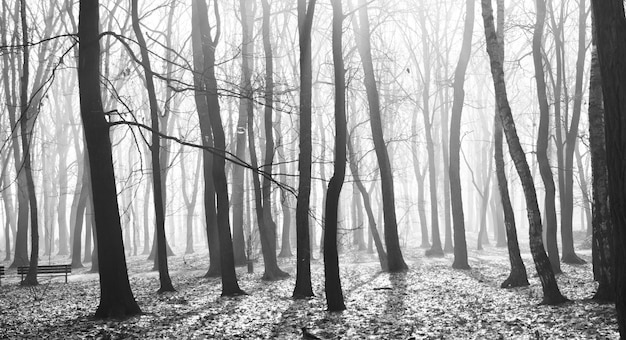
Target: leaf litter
[[430, 301]]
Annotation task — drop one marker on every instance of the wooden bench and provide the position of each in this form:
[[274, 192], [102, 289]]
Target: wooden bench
[[1, 273], [62, 269]]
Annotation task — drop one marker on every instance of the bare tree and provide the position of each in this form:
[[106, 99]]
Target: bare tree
[[551, 292]]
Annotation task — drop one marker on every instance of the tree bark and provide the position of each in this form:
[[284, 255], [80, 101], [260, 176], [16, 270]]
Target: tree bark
[[551, 293], [303, 288], [611, 44], [116, 297]]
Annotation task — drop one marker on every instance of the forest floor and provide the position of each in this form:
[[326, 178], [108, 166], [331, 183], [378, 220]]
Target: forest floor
[[430, 301]]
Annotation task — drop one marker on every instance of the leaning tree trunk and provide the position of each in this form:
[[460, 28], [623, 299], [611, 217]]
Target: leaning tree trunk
[[394, 253], [542, 140], [354, 169], [458, 220], [332, 281], [611, 42], [518, 276], [303, 288], [116, 296], [551, 293]]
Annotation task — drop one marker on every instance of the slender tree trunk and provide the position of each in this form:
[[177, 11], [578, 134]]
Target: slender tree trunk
[[155, 148], [460, 245], [542, 139], [518, 276], [551, 293], [245, 103], [303, 288], [332, 281], [27, 126], [354, 169], [230, 286], [215, 267], [394, 253], [116, 297], [567, 201], [436, 249]]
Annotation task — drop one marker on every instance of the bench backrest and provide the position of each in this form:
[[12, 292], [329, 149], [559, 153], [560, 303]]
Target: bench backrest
[[48, 269], [1, 270]]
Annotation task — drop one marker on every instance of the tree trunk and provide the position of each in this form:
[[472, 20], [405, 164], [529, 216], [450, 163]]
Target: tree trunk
[[27, 124], [303, 288], [155, 148], [611, 42], [518, 276], [230, 286], [551, 293], [436, 249], [215, 267], [247, 51], [354, 169], [394, 254], [458, 220], [332, 281], [116, 297], [602, 230], [567, 197], [542, 140]]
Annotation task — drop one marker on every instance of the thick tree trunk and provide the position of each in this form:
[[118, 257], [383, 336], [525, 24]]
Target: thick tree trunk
[[394, 253], [602, 230], [542, 140], [551, 293], [611, 43], [303, 288], [116, 297]]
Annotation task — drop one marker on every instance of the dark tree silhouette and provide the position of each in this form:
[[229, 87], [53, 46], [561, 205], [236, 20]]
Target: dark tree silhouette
[[230, 286], [200, 97], [116, 296], [303, 288], [155, 149], [602, 225], [332, 280], [27, 123], [611, 43]]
